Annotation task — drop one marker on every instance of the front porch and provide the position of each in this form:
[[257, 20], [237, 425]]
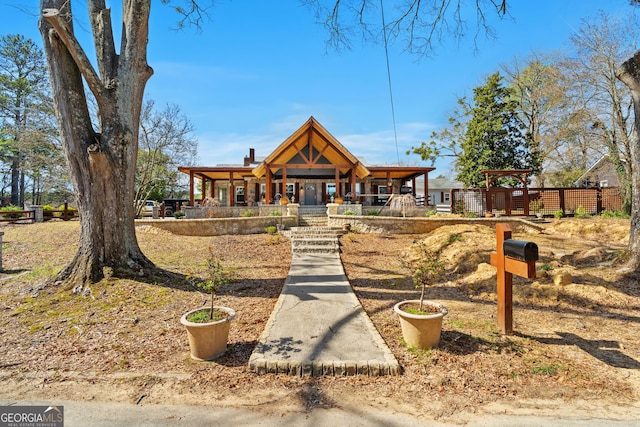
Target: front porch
[[311, 167]]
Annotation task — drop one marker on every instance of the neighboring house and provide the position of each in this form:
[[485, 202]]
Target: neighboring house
[[311, 167], [439, 192], [601, 174]]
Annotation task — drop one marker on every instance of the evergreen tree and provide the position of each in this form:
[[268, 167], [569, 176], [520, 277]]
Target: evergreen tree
[[495, 137], [26, 116]]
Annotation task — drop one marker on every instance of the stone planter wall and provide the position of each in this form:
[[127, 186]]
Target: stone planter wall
[[382, 224], [219, 226]]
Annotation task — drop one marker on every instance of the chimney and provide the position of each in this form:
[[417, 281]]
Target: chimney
[[251, 158]]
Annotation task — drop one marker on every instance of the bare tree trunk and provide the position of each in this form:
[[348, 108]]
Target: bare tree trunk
[[101, 164], [15, 181], [629, 74]]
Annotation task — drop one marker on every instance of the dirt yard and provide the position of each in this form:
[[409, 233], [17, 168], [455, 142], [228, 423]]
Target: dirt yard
[[575, 344]]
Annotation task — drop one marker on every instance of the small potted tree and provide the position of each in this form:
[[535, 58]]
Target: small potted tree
[[421, 320], [208, 327]]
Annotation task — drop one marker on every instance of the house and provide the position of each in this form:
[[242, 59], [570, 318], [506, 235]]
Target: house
[[601, 174], [439, 192], [310, 167]]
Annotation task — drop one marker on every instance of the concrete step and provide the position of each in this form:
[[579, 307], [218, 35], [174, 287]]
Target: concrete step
[[314, 241], [311, 249], [315, 231], [320, 220]]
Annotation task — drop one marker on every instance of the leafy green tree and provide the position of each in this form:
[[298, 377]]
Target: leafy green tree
[[495, 136]]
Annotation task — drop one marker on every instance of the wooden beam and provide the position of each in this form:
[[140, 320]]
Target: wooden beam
[[284, 182], [232, 191], [316, 166], [191, 189], [268, 196]]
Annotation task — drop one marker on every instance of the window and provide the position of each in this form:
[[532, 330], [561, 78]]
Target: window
[[239, 194], [604, 183], [291, 188], [447, 197]]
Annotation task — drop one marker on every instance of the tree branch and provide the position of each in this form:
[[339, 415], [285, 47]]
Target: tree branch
[[53, 18], [103, 39]]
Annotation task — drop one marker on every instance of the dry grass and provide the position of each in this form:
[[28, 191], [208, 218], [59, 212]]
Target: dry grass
[[124, 341]]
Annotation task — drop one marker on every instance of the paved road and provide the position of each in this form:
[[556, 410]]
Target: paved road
[[95, 414]]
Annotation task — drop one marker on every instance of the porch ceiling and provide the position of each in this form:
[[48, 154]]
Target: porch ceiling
[[398, 172], [218, 172]]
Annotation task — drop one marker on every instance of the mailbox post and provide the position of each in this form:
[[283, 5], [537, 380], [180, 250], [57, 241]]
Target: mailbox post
[[511, 257]]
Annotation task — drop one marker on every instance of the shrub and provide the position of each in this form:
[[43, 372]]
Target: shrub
[[272, 229], [614, 214], [70, 211], [275, 213], [430, 212], [558, 214], [11, 208], [178, 215], [247, 213], [47, 211], [581, 212], [348, 212], [372, 212]]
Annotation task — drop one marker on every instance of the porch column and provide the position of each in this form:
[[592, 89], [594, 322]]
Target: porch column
[[352, 181], [267, 191], [191, 188], [232, 191], [426, 189], [413, 186], [246, 193], [212, 188], [389, 184], [284, 182], [338, 183]]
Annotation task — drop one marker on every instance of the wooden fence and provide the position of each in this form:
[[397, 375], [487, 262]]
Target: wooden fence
[[65, 214], [16, 216], [536, 201]]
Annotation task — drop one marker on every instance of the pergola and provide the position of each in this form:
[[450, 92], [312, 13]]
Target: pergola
[[491, 175]]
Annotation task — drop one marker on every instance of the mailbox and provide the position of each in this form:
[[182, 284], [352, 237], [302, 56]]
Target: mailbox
[[519, 249]]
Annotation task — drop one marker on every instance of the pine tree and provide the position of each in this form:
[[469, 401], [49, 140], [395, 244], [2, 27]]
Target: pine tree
[[495, 137]]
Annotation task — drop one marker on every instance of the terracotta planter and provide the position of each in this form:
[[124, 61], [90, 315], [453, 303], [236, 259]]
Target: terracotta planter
[[338, 200], [208, 340], [284, 201], [421, 331]]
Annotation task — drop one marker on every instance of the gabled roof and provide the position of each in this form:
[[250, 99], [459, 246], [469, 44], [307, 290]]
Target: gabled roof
[[311, 146], [605, 160]]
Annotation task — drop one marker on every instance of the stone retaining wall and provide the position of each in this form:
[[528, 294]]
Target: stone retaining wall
[[381, 224], [219, 226]]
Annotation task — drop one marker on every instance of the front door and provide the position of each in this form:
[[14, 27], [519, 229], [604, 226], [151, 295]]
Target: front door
[[310, 194]]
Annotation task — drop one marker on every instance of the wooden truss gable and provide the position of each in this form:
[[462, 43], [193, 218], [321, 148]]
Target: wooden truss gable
[[311, 147]]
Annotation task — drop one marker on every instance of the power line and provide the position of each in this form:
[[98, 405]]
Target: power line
[[386, 51]]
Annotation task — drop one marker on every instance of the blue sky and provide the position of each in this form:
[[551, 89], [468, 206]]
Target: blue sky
[[258, 69]]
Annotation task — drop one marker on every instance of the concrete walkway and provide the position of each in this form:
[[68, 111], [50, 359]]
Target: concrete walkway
[[318, 326]]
